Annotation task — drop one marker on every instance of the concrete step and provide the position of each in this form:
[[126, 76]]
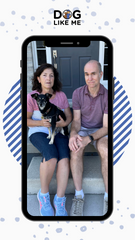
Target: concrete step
[[92, 177], [93, 205], [32, 149]]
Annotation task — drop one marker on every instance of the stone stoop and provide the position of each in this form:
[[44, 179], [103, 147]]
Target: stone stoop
[[92, 177], [32, 149]]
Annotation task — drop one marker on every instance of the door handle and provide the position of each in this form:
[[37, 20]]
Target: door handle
[[54, 53], [55, 56]]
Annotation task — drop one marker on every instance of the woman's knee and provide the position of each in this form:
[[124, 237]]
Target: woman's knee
[[50, 162], [63, 165]]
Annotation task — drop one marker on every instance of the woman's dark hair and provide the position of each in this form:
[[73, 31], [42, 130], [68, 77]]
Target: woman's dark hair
[[37, 86]]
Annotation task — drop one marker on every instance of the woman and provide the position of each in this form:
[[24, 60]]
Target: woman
[[46, 80]]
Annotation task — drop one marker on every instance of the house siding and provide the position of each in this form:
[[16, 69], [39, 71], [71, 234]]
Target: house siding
[[30, 67]]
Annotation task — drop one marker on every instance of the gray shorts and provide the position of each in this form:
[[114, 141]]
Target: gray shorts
[[85, 132]]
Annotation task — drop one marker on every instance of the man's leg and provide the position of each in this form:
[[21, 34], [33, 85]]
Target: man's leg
[[102, 147], [76, 164]]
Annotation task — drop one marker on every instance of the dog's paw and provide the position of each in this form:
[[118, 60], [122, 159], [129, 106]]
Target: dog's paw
[[62, 131], [51, 142], [48, 137]]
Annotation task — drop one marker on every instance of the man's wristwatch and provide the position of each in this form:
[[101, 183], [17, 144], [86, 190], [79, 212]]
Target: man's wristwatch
[[91, 138]]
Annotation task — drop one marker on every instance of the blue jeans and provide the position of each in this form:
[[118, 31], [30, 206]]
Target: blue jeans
[[59, 149]]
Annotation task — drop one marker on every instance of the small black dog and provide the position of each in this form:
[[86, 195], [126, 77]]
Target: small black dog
[[51, 112]]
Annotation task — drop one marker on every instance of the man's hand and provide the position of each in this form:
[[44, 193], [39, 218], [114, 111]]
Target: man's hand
[[83, 143], [73, 142]]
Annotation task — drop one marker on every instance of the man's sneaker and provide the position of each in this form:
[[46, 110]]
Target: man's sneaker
[[59, 204], [46, 208], [105, 207], [77, 206]]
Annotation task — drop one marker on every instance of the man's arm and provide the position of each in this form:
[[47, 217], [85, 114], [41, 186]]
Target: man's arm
[[102, 131], [97, 135], [76, 123], [75, 127]]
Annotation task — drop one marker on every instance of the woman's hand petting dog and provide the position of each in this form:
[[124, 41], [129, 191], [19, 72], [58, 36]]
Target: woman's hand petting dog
[[60, 123], [45, 123]]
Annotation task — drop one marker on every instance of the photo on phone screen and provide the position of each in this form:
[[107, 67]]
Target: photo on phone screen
[[67, 128]]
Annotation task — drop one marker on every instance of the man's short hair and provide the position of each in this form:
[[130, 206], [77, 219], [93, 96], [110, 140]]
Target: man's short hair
[[99, 67], [98, 63]]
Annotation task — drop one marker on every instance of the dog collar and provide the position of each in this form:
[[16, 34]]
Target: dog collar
[[46, 113], [48, 110]]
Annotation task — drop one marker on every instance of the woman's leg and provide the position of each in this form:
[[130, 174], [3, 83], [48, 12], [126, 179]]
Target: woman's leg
[[63, 167], [49, 152], [46, 172], [62, 176]]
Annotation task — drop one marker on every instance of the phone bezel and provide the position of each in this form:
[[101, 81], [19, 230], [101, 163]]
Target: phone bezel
[[83, 39]]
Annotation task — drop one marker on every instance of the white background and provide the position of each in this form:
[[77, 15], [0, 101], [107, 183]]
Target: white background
[[13, 31]]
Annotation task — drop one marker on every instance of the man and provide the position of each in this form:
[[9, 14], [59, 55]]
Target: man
[[90, 125]]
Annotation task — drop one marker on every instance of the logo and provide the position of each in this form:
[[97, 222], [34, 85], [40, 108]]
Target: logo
[[70, 18], [67, 14]]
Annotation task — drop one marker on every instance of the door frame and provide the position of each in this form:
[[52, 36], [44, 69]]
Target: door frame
[[34, 53]]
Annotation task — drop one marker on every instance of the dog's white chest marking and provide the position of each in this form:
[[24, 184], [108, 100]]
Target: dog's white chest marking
[[51, 135]]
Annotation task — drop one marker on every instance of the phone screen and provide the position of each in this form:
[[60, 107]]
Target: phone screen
[[74, 58]]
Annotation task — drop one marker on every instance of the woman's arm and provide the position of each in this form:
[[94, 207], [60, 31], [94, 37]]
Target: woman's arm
[[37, 123], [63, 123]]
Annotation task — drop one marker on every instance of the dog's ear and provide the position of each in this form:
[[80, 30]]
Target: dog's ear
[[48, 95], [35, 95]]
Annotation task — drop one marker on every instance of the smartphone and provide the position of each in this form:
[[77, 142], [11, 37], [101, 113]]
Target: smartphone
[[68, 55]]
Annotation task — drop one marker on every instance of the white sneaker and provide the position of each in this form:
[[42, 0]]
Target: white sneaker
[[77, 206], [105, 207]]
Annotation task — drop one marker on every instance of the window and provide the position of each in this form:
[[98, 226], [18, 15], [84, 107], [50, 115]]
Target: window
[[105, 68], [103, 59], [41, 53]]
